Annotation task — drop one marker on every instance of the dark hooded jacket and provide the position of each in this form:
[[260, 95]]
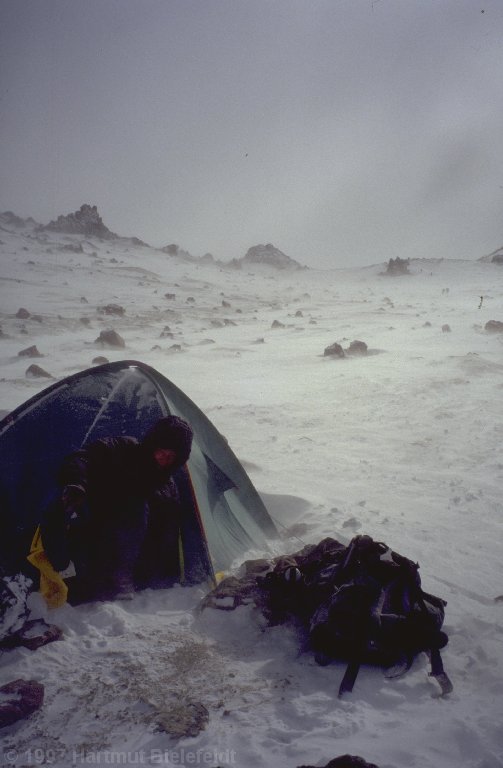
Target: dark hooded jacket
[[129, 518], [114, 471]]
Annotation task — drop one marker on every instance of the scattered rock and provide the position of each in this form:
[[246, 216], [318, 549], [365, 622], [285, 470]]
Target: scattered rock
[[36, 372], [110, 339], [357, 348], [191, 300], [229, 322], [494, 326], [299, 313], [71, 248], [30, 352], [226, 304], [23, 314], [112, 309], [334, 350], [446, 328], [170, 296], [25, 697], [277, 324], [100, 360], [85, 320], [83, 300]]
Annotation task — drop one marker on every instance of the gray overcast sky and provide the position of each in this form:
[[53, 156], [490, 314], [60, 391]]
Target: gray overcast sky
[[342, 131]]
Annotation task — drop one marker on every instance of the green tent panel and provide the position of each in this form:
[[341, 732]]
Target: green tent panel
[[224, 517]]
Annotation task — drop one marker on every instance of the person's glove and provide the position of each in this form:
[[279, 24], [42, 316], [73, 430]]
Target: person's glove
[[72, 499]]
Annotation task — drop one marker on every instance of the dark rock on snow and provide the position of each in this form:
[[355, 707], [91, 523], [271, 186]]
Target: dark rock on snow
[[30, 352], [357, 348], [398, 266], [36, 372], [24, 698], [112, 309], [22, 314], [334, 350], [110, 339], [494, 326]]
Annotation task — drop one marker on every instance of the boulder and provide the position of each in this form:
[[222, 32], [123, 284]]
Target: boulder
[[494, 326], [23, 314], [23, 698], [29, 352], [357, 348], [36, 372], [112, 309], [110, 339], [334, 350]]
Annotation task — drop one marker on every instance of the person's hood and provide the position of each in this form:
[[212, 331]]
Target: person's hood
[[170, 432]]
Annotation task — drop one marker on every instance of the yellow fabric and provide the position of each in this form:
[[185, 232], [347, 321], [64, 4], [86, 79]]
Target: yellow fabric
[[52, 586]]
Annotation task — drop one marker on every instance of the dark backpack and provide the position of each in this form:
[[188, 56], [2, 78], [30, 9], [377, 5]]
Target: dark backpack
[[363, 604]]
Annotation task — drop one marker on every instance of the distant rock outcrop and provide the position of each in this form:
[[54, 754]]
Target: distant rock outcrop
[[397, 266], [266, 254], [9, 219], [496, 257], [174, 250], [85, 221]]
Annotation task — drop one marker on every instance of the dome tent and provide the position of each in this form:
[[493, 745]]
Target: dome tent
[[224, 517]]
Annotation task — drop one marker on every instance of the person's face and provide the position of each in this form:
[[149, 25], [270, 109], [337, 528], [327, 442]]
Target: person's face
[[164, 457]]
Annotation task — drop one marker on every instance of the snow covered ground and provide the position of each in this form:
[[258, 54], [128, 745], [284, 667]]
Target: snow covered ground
[[403, 444]]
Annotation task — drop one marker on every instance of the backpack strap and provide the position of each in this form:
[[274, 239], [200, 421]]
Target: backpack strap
[[349, 679]]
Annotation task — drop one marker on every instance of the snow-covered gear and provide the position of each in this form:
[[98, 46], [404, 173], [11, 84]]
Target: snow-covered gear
[[362, 603]]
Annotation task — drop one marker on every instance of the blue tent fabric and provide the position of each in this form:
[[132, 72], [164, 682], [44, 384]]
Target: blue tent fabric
[[224, 515]]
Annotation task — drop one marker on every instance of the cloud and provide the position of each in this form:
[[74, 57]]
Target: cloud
[[340, 131]]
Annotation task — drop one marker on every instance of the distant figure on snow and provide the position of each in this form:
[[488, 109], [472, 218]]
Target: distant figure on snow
[[117, 516]]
